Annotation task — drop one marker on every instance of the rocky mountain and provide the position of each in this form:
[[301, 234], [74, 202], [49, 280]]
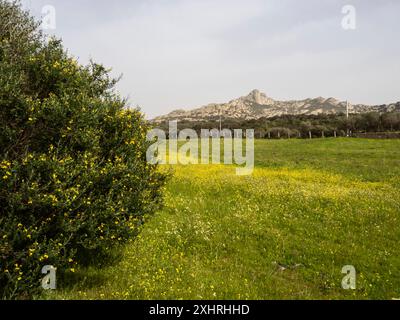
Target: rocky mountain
[[258, 105]]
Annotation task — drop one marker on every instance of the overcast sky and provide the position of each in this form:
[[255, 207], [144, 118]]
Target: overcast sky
[[186, 53]]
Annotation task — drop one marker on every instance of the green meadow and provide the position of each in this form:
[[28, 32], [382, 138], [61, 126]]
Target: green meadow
[[285, 232]]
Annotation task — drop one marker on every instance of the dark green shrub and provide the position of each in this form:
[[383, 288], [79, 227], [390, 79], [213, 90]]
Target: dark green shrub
[[74, 180]]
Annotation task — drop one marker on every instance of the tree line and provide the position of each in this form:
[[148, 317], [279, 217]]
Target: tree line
[[303, 126]]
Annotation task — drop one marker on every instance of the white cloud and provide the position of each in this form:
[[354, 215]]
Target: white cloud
[[187, 53]]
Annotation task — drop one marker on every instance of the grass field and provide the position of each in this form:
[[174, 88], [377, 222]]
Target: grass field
[[284, 232]]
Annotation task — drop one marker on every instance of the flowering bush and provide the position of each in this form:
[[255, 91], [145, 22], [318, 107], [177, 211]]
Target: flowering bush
[[74, 180]]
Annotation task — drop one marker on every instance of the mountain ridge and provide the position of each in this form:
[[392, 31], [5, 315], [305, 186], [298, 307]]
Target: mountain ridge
[[257, 104]]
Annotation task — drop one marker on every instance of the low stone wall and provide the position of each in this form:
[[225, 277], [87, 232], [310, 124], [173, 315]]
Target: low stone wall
[[378, 135]]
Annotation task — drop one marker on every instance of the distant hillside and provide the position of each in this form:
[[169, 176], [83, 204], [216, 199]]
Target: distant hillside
[[257, 105]]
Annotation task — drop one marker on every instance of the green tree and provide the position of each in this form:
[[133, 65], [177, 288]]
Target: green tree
[[74, 180]]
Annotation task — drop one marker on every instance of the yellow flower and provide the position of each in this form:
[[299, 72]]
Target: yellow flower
[[5, 164]]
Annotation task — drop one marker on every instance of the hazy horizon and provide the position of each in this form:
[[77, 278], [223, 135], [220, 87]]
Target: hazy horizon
[[184, 54]]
